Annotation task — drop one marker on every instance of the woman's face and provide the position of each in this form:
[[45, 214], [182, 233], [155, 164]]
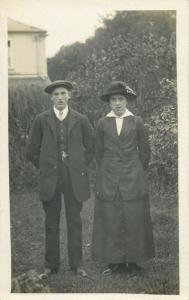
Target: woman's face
[[118, 104]]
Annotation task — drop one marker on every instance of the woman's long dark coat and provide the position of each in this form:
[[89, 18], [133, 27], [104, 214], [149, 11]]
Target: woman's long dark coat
[[122, 226]]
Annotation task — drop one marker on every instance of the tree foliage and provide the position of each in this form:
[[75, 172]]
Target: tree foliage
[[138, 47]]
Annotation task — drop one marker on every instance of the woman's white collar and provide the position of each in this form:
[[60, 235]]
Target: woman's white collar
[[126, 114]]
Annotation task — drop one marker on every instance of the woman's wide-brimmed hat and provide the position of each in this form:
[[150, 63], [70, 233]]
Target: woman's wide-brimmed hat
[[58, 83], [118, 88]]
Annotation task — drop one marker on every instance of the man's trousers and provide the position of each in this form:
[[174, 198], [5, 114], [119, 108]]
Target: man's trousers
[[52, 221]]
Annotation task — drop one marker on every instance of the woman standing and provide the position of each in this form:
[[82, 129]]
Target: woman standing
[[122, 231]]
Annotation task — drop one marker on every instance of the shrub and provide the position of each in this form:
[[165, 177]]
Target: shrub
[[26, 100], [164, 139]]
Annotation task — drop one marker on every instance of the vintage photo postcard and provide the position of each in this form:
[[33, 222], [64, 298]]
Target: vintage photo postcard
[[94, 158]]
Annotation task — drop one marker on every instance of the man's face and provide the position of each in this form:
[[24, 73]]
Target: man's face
[[60, 97], [118, 104]]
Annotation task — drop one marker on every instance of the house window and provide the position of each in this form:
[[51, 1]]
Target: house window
[[9, 54]]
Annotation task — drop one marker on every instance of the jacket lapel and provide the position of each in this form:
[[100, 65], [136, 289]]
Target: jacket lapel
[[123, 129], [72, 120], [127, 126], [51, 122], [113, 128]]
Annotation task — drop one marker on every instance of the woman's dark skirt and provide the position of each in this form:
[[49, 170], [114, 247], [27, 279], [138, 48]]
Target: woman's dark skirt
[[122, 231]]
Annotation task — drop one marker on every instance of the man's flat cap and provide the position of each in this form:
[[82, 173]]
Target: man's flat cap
[[116, 88], [58, 83]]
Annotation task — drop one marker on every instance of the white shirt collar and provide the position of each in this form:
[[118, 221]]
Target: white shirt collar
[[65, 112], [126, 114]]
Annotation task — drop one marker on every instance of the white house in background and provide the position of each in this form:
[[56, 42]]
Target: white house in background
[[26, 51]]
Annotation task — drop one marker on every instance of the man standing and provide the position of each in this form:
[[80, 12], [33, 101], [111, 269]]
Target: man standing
[[61, 145]]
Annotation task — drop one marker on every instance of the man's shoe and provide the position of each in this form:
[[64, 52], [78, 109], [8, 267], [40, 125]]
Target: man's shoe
[[107, 272], [133, 269], [81, 272], [47, 273]]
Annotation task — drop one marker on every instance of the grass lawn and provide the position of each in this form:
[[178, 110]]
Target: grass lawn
[[160, 275]]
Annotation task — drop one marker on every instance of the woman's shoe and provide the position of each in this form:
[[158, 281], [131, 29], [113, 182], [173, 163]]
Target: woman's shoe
[[114, 268], [133, 269]]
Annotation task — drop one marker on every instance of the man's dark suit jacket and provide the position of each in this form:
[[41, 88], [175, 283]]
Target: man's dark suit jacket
[[42, 151]]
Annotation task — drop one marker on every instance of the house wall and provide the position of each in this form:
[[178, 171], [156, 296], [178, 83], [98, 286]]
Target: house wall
[[27, 54]]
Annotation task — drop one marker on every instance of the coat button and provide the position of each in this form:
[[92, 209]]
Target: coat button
[[82, 173], [55, 167]]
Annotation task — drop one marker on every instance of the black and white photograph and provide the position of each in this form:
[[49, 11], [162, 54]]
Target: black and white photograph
[[96, 148]]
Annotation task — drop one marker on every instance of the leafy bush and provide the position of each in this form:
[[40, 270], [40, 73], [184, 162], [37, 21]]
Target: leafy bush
[[26, 100], [136, 47], [164, 139]]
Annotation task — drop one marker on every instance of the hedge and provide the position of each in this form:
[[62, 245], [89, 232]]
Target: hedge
[[27, 100]]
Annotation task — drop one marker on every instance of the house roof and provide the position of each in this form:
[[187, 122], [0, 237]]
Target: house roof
[[15, 26]]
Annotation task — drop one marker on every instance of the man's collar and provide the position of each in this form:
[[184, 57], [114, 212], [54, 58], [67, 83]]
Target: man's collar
[[65, 110], [126, 114]]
